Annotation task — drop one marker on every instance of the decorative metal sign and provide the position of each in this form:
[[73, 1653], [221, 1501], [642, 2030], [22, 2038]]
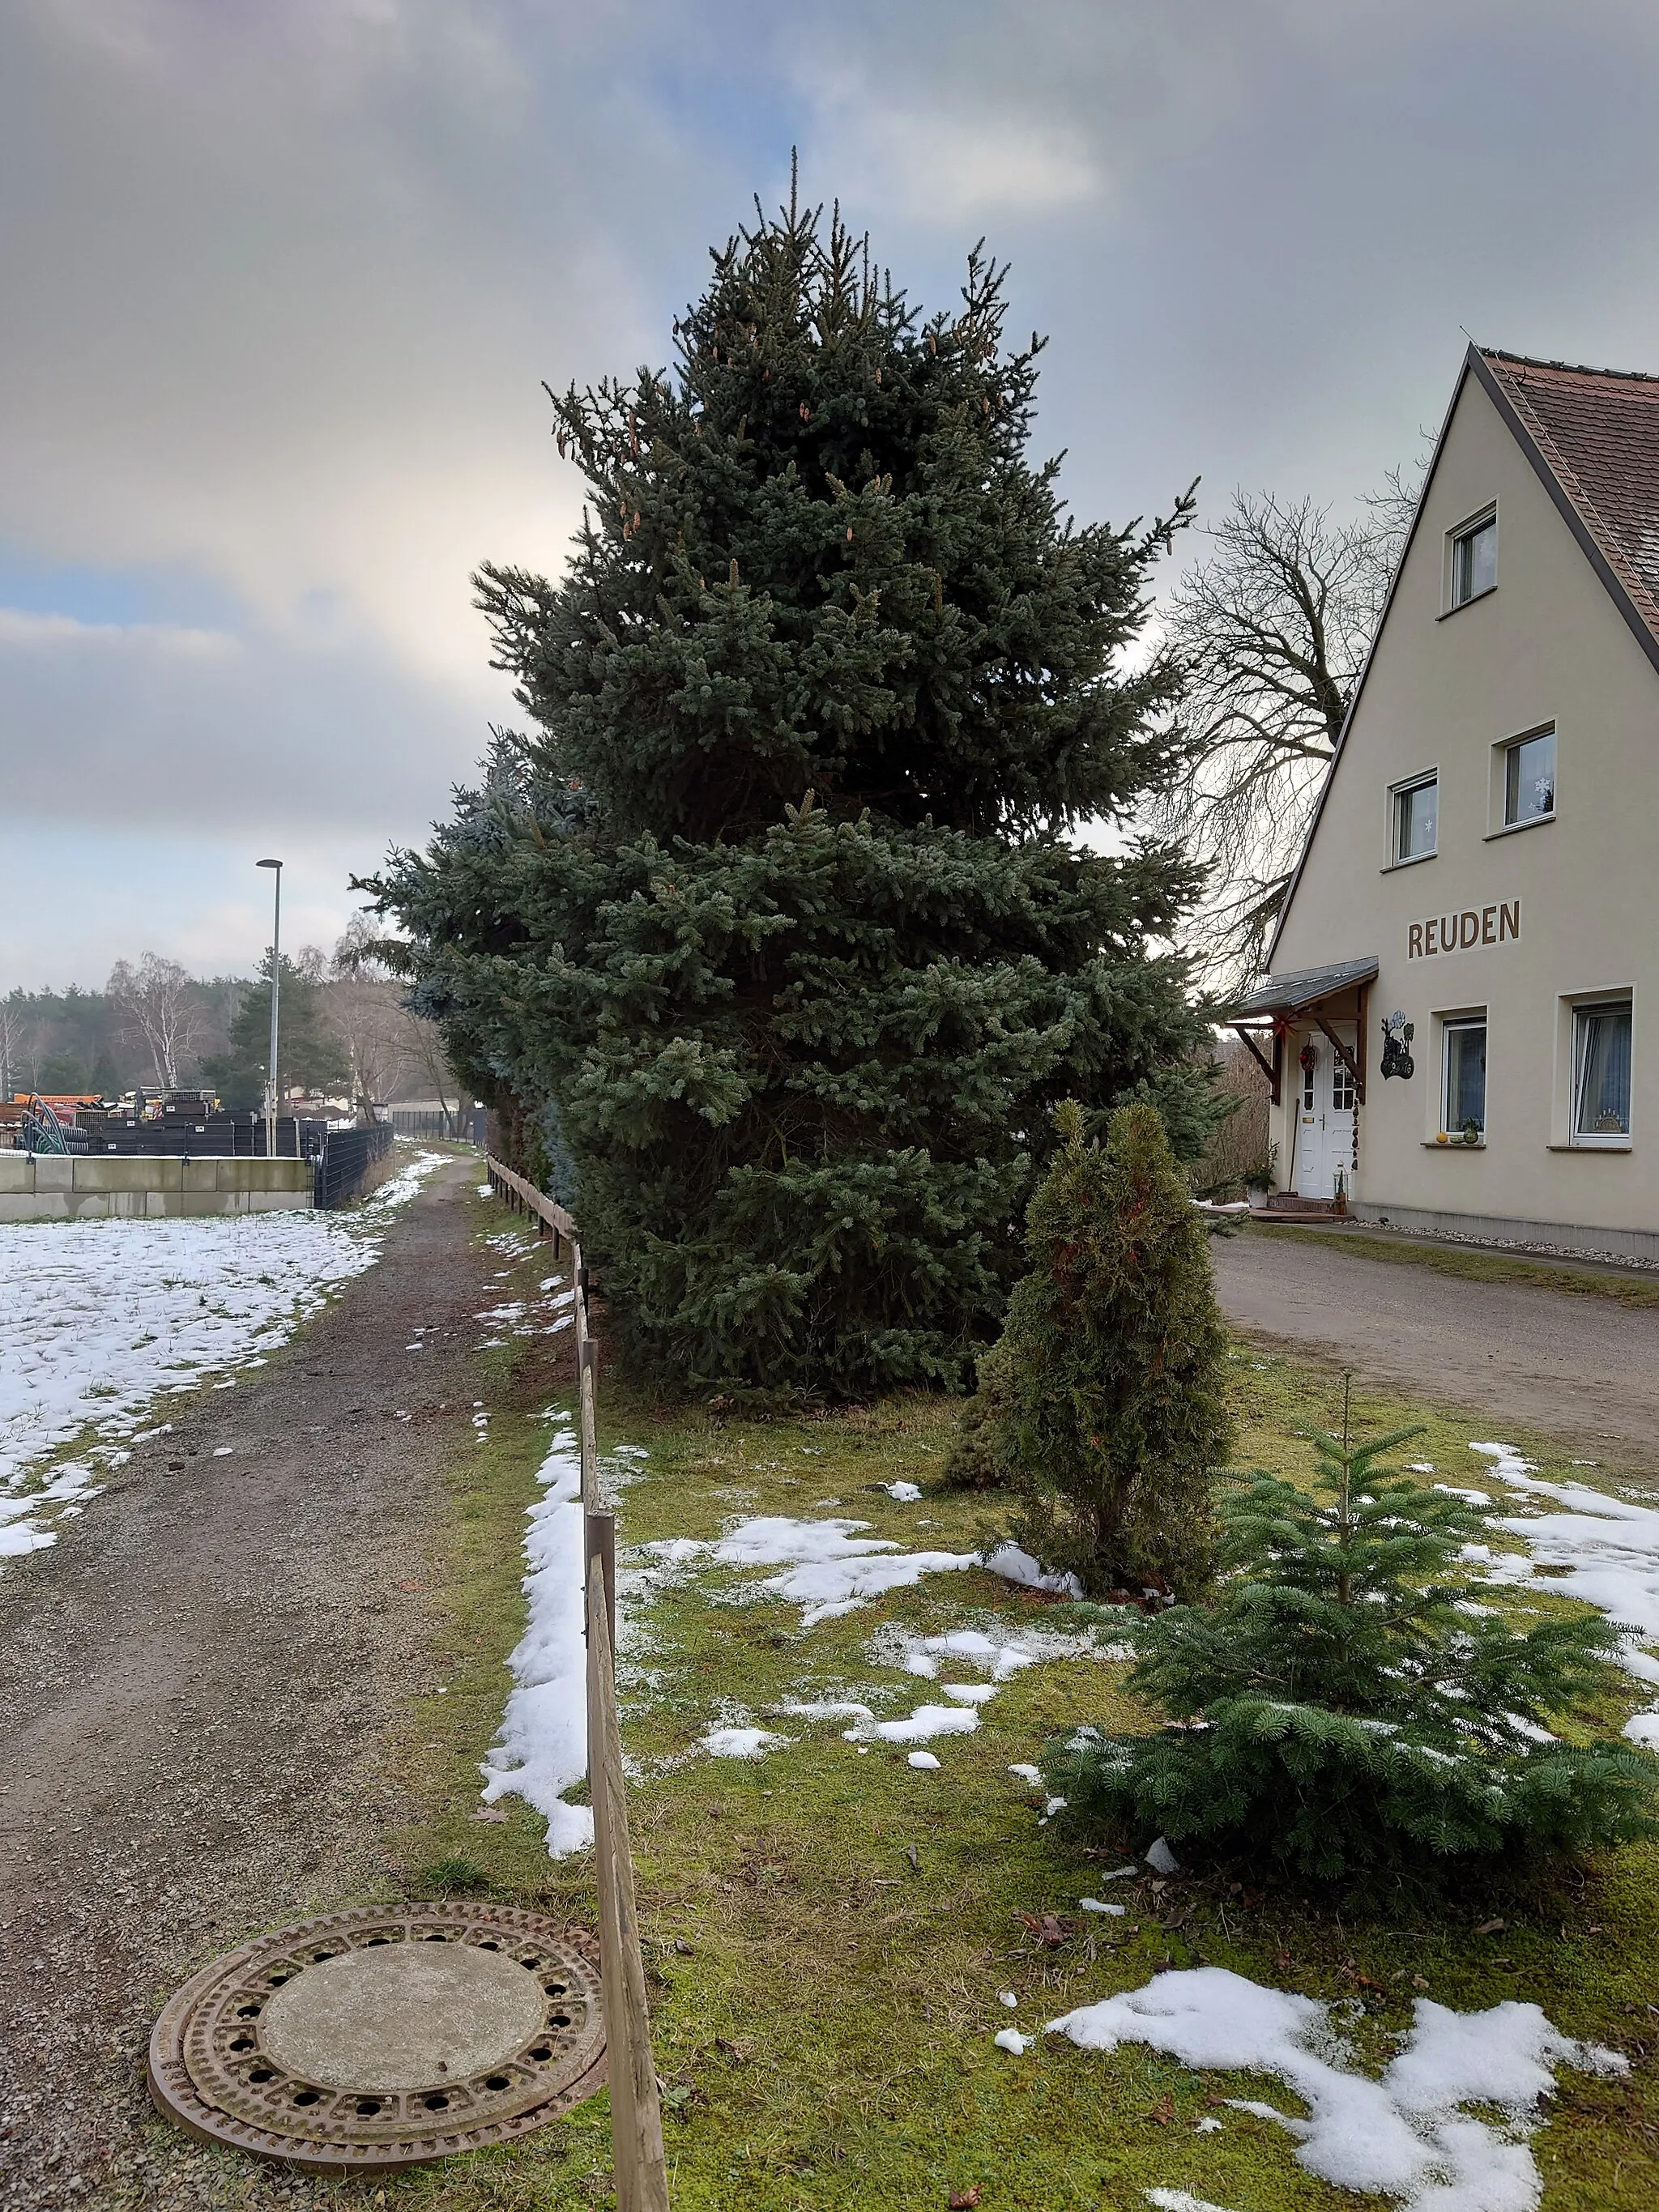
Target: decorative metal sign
[[1397, 1033]]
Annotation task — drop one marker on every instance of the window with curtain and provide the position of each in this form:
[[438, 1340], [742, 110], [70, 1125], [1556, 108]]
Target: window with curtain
[[1601, 1058], [1465, 1077]]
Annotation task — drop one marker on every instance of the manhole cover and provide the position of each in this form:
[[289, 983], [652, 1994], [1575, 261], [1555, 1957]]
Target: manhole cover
[[382, 2037]]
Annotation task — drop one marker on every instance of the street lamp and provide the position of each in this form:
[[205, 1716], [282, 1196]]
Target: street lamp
[[276, 976]]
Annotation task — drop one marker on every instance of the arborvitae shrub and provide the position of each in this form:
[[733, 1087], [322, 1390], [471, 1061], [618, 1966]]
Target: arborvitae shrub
[[1346, 1707], [1102, 1405]]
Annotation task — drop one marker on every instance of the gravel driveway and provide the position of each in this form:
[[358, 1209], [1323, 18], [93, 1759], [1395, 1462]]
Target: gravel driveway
[[195, 1689], [1583, 1370]]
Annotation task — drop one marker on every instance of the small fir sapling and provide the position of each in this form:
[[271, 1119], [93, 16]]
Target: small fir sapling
[[1344, 1707], [1103, 1403]]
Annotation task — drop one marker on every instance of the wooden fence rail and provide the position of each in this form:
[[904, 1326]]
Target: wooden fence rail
[[635, 2107]]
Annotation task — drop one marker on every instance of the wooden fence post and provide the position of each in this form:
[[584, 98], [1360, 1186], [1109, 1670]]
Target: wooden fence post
[[635, 2107]]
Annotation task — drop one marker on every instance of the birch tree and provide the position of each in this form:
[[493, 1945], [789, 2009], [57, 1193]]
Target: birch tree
[[158, 1005]]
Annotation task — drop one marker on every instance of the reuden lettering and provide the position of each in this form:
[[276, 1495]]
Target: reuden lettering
[[1460, 932]]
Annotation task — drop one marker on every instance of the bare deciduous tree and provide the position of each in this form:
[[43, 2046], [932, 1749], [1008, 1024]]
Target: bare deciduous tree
[[16, 1042], [425, 1045], [160, 1005], [386, 1043], [366, 1012], [1272, 630]]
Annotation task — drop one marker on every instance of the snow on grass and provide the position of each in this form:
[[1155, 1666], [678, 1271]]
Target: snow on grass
[[830, 1566], [829, 1708], [1183, 2200], [1405, 2136], [1016, 1566], [741, 1742], [99, 1318], [1601, 1550], [541, 1748], [398, 1190], [919, 1726], [903, 1493], [999, 1660], [922, 1759]]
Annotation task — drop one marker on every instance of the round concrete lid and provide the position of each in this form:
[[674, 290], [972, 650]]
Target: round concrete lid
[[407, 2016]]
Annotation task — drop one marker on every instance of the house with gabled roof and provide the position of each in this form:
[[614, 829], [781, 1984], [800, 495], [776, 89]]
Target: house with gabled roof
[[1459, 1020]]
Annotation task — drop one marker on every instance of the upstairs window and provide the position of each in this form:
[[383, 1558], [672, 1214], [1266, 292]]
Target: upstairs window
[[1474, 561], [1416, 819], [1529, 779], [1601, 1111]]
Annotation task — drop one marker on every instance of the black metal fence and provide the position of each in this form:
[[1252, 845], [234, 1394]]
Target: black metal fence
[[427, 1121], [344, 1160], [215, 1136]]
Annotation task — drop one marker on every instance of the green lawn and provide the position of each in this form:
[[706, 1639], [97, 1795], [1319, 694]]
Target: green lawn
[[827, 1933]]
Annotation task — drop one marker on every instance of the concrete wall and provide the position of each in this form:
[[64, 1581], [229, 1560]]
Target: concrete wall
[[1548, 645], [55, 1186]]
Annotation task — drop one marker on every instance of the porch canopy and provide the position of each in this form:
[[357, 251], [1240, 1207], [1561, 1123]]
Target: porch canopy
[[1321, 995]]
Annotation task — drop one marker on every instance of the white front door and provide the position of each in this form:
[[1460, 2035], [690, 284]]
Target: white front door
[[1324, 1121]]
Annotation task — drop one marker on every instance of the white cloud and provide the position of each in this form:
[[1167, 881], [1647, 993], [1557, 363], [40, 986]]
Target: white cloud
[[22, 630], [946, 165]]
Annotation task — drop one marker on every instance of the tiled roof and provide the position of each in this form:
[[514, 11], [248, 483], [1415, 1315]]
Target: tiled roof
[[1598, 431]]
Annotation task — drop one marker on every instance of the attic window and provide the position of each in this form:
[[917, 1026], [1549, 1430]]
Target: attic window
[[1474, 560]]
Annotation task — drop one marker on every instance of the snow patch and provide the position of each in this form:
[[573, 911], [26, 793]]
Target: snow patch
[[98, 1318], [922, 1759], [830, 1567], [999, 1661], [920, 1727], [741, 1742], [542, 1745], [1016, 1566], [1405, 2136], [1606, 1551]]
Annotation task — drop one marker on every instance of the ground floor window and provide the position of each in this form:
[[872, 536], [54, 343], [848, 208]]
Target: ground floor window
[[1464, 1087], [1601, 1073]]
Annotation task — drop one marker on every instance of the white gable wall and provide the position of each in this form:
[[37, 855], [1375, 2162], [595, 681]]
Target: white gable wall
[[1549, 644]]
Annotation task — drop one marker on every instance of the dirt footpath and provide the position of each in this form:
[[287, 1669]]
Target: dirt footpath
[[1583, 1370], [197, 1685]]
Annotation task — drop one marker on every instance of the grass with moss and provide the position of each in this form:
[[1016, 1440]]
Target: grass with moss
[[829, 1932]]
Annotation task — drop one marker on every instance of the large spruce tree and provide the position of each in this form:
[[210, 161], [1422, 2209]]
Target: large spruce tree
[[778, 908]]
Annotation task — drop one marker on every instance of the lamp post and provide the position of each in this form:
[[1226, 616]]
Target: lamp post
[[276, 978]]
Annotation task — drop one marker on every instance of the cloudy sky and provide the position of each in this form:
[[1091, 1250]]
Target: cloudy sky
[[280, 280]]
